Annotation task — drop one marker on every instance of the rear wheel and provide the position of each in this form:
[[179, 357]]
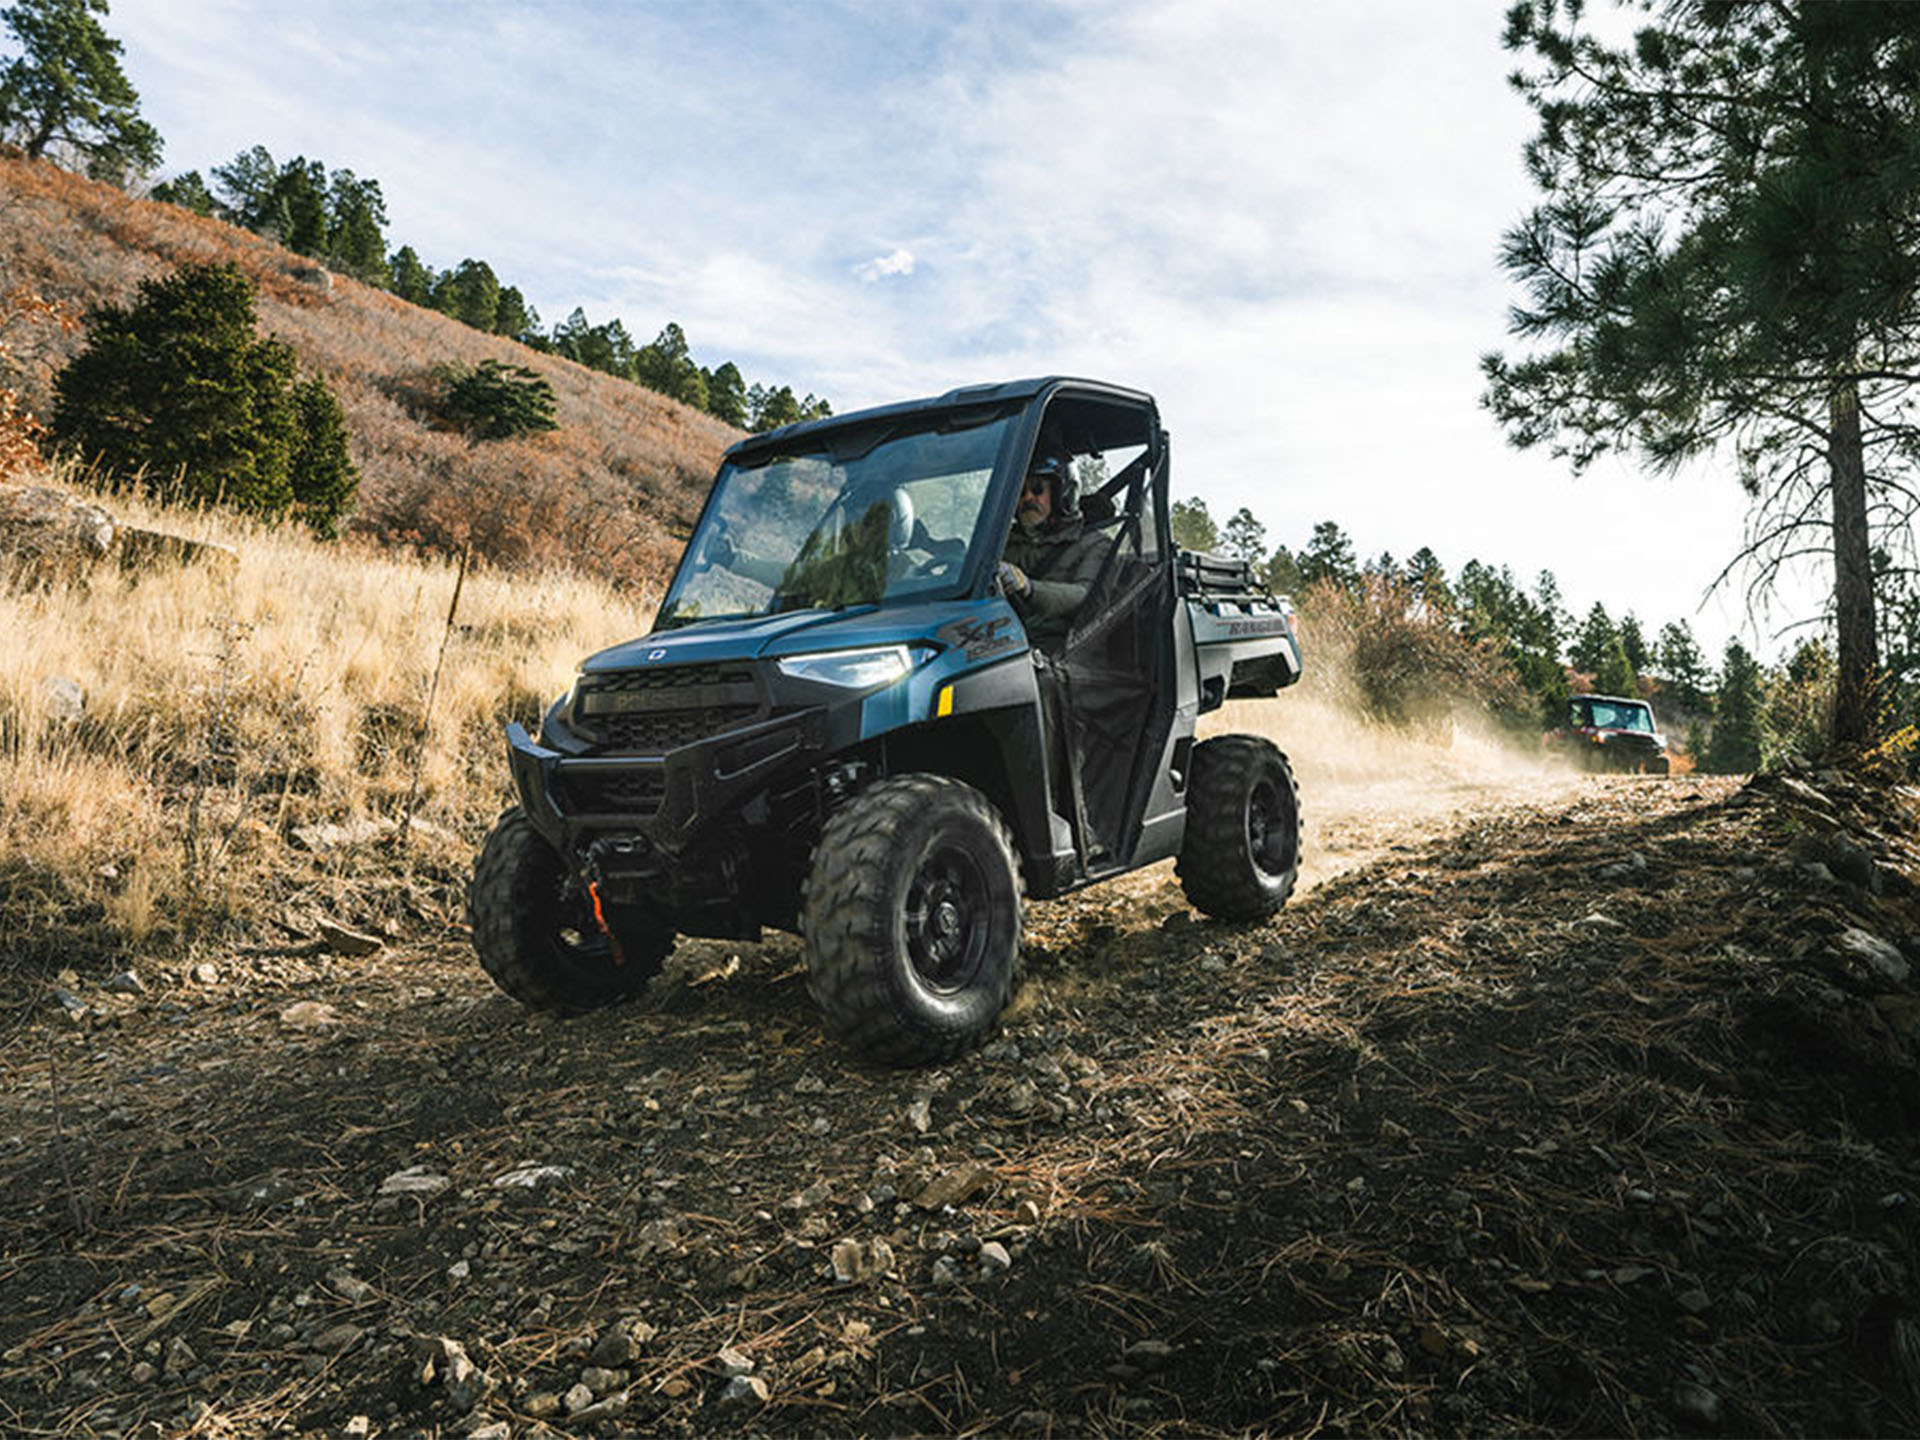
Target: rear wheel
[[1241, 853], [912, 920], [534, 931]]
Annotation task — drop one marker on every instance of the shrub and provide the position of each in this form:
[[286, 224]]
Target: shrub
[[492, 401], [176, 391]]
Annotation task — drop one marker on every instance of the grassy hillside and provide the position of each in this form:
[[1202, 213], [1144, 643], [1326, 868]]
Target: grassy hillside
[[611, 492], [228, 710]]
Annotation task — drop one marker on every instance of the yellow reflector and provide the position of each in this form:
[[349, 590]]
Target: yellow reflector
[[944, 705]]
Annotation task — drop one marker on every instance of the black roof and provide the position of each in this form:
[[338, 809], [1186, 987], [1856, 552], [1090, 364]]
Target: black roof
[[964, 398]]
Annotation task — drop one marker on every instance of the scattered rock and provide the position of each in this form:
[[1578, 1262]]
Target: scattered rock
[[447, 1362], [542, 1405], [578, 1398], [421, 1181], [621, 1342], [854, 1262], [746, 1390], [920, 1114], [732, 1362], [140, 550], [1696, 1405], [1879, 956], [64, 698], [180, 1357], [946, 1273], [308, 1016], [126, 983], [531, 1177], [602, 1380], [47, 535], [351, 943], [994, 1259], [337, 1339], [955, 1187], [1148, 1355], [349, 1287]]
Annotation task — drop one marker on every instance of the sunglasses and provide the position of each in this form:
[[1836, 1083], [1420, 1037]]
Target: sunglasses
[[1037, 484]]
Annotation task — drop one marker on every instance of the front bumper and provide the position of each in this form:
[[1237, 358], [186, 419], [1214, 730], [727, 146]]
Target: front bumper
[[669, 800]]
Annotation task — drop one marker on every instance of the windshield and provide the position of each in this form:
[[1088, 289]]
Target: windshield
[[867, 518], [1607, 715]]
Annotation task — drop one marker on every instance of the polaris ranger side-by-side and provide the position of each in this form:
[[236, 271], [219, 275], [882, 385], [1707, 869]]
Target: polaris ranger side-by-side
[[838, 726]]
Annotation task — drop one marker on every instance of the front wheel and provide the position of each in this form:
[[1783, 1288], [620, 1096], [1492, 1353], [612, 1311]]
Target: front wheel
[[534, 930], [1241, 853], [912, 920]]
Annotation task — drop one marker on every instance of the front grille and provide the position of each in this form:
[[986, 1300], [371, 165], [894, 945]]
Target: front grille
[[648, 712], [668, 677], [616, 792], [653, 734]]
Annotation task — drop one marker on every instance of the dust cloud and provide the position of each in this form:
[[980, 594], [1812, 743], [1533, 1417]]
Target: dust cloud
[[1366, 789]]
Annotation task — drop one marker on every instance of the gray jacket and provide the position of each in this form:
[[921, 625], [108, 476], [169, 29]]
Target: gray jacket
[[1061, 561]]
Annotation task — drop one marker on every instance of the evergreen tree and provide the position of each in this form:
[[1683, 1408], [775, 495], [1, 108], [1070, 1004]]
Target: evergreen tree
[[1246, 537], [470, 293], [777, 408], [1329, 556], [1282, 573], [244, 187], [666, 364], [727, 395], [1594, 641], [1633, 642], [1723, 260], [514, 317], [321, 472], [1428, 579], [188, 191], [297, 208], [1615, 675], [411, 280], [356, 231], [1734, 748], [1193, 527], [492, 401], [1678, 660], [66, 88], [178, 385]]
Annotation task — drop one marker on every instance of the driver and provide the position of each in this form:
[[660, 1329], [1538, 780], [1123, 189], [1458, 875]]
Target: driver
[[1050, 562]]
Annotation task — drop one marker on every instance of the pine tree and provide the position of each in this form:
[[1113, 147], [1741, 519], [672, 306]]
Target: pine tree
[[1723, 260], [1734, 748], [1193, 527], [188, 191], [470, 293], [411, 280], [727, 395], [1246, 537], [1329, 556], [176, 389], [66, 88], [1594, 641]]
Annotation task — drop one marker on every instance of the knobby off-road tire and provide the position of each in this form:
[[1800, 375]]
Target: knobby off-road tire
[[1241, 853], [536, 936], [912, 920]]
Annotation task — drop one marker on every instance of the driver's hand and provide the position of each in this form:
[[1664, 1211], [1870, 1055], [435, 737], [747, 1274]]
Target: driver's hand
[[1013, 580]]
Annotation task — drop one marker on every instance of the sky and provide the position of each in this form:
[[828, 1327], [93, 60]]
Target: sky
[[1280, 217]]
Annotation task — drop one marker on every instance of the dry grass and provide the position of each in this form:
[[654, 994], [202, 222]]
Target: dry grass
[[226, 710], [613, 491]]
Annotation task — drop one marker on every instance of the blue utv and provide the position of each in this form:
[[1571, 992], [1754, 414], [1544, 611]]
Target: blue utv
[[838, 727]]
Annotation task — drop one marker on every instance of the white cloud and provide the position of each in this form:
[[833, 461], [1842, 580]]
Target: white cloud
[[896, 262], [1281, 219]]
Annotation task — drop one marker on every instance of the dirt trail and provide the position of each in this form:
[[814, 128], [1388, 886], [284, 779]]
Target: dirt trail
[[1588, 1111]]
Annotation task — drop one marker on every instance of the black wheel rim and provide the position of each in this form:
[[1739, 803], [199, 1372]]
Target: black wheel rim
[[947, 919], [1270, 828]]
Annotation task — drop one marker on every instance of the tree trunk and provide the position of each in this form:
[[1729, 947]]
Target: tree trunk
[[1859, 657]]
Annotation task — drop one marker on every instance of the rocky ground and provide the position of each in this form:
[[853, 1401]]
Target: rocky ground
[[1590, 1113]]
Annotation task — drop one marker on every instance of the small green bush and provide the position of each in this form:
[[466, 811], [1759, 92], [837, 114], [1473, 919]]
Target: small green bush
[[492, 401]]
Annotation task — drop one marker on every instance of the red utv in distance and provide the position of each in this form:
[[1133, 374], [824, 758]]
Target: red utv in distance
[[1605, 732]]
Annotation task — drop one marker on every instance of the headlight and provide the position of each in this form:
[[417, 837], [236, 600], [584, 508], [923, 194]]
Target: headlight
[[854, 669]]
